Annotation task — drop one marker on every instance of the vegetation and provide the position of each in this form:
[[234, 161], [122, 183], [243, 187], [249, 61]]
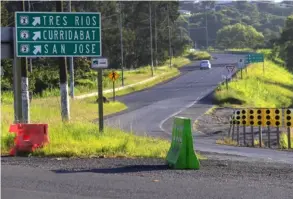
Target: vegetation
[[199, 55], [267, 18], [80, 137], [284, 140], [136, 41], [274, 88], [227, 141], [238, 36], [286, 43]]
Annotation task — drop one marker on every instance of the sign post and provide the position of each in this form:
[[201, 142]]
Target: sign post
[[100, 94], [58, 34], [113, 76], [230, 69], [99, 64], [241, 65]]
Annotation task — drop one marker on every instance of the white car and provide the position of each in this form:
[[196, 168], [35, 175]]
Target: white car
[[205, 64]]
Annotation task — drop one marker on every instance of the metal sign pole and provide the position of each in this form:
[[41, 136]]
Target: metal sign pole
[[114, 90], [98, 64], [100, 94]]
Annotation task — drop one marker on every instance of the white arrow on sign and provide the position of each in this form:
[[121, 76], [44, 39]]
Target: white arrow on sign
[[37, 20], [37, 35], [38, 49]]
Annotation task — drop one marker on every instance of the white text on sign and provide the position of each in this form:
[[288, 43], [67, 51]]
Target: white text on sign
[[78, 20]]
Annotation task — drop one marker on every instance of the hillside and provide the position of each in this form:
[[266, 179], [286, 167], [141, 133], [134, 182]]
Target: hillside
[[267, 18]]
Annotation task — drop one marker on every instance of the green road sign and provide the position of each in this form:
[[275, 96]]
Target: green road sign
[[58, 34], [254, 58]]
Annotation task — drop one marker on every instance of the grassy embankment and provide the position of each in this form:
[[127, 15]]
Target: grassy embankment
[[273, 89], [80, 137]]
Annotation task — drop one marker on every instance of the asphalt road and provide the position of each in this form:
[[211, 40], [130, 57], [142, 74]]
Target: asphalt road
[[149, 108], [150, 111], [44, 178]]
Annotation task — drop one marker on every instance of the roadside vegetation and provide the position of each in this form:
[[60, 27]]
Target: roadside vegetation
[[80, 137], [284, 140], [258, 23], [272, 89]]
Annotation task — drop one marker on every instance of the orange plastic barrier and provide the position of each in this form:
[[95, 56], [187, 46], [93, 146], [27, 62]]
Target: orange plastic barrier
[[29, 137]]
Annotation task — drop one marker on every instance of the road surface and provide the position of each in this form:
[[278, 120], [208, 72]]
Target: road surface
[[44, 178]]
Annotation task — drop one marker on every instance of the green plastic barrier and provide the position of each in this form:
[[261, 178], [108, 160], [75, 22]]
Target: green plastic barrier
[[181, 154]]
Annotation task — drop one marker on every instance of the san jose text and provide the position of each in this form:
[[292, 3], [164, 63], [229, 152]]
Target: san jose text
[[65, 49]]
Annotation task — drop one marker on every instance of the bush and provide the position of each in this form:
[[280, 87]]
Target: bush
[[199, 55], [284, 140], [86, 83]]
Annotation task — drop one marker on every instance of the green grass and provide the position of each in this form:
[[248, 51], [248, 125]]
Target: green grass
[[240, 50], [226, 141], [173, 72], [284, 140], [80, 137], [274, 89], [199, 55], [84, 140]]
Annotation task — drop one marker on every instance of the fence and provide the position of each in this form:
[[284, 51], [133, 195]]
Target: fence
[[261, 126]]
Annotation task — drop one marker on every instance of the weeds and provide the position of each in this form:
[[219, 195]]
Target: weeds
[[284, 140]]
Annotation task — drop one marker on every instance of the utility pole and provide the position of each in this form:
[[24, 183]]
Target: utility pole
[[188, 28], [151, 39], [170, 53], [156, 45], [24, 81], [17, 86], [121, 43], [65, 113], [207, 34], [71, 64]]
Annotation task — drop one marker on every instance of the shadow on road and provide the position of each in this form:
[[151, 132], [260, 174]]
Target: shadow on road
[[125, 169]]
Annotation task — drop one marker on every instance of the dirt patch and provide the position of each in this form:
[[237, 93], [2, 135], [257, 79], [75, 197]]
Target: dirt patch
[[216, 121]]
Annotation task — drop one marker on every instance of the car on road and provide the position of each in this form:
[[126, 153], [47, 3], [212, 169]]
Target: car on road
[[205, 64]]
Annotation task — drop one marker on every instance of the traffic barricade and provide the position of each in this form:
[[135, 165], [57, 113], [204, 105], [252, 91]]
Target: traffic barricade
[[28, 137]]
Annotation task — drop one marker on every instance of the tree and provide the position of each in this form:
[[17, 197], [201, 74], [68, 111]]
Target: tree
[[4, 14], [136, 37], [239, 36], [286, 41]]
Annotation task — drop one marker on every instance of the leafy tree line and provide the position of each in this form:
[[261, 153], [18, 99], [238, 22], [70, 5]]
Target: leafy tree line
[[266, 18], [135, 18], [283, 47]]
